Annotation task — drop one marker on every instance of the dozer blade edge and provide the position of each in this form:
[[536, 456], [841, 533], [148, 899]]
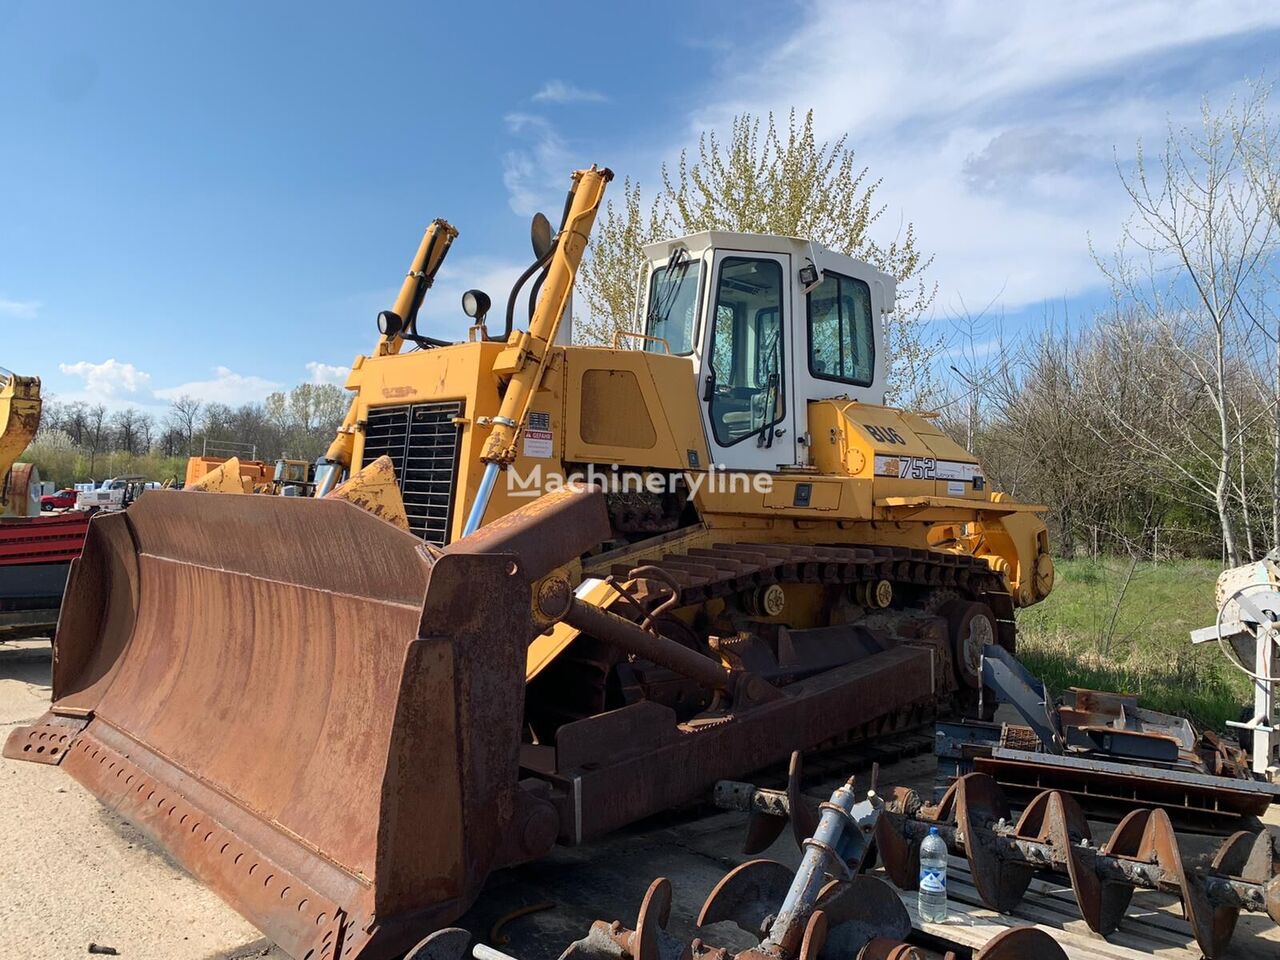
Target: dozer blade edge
[[310, 713]]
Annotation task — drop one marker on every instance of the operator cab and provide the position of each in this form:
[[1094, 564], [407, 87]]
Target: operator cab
[[770, 323]]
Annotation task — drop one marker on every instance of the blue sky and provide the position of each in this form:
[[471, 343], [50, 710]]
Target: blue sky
[[217, 198]]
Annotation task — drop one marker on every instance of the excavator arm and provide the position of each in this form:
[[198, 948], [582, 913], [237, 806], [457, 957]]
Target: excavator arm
[[19, 420]]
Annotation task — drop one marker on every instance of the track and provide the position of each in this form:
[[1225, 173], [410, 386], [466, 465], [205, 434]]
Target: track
[[589, 677], [727, 568]]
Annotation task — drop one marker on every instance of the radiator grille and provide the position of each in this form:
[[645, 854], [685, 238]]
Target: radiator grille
[[423, 444]]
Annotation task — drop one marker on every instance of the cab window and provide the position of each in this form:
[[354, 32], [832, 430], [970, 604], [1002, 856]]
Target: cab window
[[842, 345], [673, 307], [746, 392]]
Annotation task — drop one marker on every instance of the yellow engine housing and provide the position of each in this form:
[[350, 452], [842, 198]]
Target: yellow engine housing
[[638, 413]]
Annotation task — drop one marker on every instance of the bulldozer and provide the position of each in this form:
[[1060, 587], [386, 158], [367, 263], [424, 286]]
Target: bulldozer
[[542, 590]]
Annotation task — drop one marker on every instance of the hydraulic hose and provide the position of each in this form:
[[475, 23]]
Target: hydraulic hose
[[515, 292]]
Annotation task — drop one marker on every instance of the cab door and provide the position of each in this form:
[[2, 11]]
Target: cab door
[[746, 389]]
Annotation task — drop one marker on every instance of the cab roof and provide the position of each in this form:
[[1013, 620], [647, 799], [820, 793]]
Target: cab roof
[[823, 257]]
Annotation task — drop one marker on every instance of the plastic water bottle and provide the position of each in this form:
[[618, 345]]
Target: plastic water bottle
[[931, 902]]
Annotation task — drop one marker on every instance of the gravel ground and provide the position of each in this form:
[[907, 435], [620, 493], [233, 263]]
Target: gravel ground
[[73, 873]]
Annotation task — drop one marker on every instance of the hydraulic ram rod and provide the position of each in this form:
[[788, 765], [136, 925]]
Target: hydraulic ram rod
[[531, 349]]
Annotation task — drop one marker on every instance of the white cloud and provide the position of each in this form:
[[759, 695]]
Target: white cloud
[[536, 174], [994, 126], [557, 91], [1022, 155], [227, 386], [327, 373], [19, 309], [110, 379]]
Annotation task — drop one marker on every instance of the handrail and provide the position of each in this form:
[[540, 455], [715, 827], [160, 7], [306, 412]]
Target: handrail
[[619, 334]]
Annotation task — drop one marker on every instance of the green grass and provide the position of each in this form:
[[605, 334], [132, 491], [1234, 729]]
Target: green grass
[[1096, 631]]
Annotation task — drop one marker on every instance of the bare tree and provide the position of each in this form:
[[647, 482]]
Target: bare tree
[[125, 423], [74, 421], [1262, 167], [95, 435], [145, 427], [172, 441], [183, 417], [1199, 240]]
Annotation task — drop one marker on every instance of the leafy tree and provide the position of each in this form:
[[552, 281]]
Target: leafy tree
[[770, 180], [306, 417]]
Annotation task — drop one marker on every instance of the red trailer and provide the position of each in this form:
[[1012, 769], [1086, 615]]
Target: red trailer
[[35, 556]]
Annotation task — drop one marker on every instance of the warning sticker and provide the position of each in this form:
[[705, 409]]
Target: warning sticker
[[539, 441]]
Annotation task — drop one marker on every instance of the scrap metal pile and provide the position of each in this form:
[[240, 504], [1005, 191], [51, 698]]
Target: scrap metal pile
[[1051, 836], [827, 910], [1104, 749]]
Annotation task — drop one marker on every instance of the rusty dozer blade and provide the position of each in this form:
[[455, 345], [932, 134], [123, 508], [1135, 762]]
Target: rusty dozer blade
[[316, 716]]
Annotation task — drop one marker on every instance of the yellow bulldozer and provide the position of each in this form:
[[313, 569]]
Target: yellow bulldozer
[[543, 591]]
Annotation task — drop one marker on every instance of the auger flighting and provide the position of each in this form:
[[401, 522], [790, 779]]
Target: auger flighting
[[827, 910], [1051, 836]]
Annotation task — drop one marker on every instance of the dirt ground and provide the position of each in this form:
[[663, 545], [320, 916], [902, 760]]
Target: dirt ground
[[72, 873]]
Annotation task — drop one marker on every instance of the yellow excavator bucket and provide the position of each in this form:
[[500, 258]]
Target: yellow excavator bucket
[[316, 715], [224, 478]]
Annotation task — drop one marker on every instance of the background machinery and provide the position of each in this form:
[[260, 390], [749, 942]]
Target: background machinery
[[35, 551], [19, 420], [1247, 632], [343, 724]]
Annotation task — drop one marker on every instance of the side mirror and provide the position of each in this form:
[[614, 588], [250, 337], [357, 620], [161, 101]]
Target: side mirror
[[475, 304], [540, 235]]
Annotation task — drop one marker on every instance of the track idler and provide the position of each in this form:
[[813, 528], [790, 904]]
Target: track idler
[[1053, 836]]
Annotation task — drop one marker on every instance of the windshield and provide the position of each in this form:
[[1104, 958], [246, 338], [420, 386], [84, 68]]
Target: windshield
[[673, 306]]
